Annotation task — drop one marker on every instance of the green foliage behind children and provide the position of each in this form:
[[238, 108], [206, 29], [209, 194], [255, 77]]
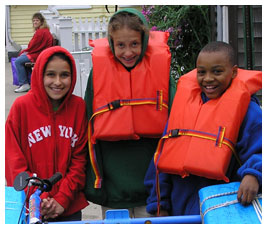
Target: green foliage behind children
[[189, 27]]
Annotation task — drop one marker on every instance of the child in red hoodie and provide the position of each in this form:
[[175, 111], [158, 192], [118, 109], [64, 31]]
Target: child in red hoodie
[[46, 133]]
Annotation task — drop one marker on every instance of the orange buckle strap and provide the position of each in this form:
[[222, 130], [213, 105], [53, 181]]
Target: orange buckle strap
[[219, 138], [159, 100]]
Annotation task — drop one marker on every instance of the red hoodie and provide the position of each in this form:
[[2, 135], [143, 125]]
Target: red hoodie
[[39, 140], [42, 39]]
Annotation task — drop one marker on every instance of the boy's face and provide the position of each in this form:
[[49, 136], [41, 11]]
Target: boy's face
[[57, 80], [214, 73], [127, 46]]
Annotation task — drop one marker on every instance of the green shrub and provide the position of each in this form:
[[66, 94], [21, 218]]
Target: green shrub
[[189, 28]]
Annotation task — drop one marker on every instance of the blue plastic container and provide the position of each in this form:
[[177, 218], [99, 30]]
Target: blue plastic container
[[13, 205], [219, 205], [121, 216]]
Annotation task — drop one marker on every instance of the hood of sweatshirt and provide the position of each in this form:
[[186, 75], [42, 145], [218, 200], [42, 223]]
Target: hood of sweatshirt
[[145, 37], [37, 83]]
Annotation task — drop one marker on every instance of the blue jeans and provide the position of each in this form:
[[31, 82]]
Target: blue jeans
[[22, 71]]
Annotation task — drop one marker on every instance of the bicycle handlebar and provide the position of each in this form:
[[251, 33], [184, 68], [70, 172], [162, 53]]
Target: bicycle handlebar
[[23, 179], [44, 185], [51, 181]]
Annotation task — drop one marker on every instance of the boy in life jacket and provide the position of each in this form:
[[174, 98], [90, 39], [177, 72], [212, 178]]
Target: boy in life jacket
[[128, 94], [213, 135], [46, 132]]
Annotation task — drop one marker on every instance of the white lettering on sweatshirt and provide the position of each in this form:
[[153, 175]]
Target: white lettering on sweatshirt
[[44, 132], [67, 132]]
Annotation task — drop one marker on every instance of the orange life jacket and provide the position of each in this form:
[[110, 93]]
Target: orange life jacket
[[131, 104], [201, 137]]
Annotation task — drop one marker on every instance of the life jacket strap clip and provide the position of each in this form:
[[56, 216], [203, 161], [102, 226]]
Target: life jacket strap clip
[[114, 105], [174, 133]]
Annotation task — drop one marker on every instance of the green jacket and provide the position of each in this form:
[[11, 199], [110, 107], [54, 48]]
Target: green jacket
[[122, 164]]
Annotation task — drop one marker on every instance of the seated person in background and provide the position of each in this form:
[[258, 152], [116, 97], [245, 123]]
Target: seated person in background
[[213, 115], [41, 40]]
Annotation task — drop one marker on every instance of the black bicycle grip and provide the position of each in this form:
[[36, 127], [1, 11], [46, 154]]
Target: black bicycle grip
[[51, 181]]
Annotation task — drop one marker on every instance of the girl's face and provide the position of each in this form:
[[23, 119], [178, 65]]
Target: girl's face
[[214, 73], [127, 46], [36, 23], [57, 80]]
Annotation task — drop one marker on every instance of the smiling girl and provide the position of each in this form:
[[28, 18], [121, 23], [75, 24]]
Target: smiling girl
[[131, 81], [46, 132]]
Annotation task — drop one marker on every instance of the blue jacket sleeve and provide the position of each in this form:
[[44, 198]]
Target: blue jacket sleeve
[[249, 145], [165, 187]]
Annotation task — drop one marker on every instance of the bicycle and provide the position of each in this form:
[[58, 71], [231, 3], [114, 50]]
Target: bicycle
[[43, 185]]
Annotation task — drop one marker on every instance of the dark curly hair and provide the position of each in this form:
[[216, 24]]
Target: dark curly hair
[[216, 46]]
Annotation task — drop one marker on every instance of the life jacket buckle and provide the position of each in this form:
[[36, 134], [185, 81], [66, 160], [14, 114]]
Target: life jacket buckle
[[115, 104], [174, 133]]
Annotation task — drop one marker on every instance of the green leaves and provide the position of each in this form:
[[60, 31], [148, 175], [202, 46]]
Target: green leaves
[[189, 28]]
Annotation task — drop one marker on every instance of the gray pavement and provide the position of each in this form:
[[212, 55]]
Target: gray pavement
[[91, 212]]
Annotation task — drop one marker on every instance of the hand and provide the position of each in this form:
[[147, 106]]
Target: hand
[[248, 189], [50, 208]]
